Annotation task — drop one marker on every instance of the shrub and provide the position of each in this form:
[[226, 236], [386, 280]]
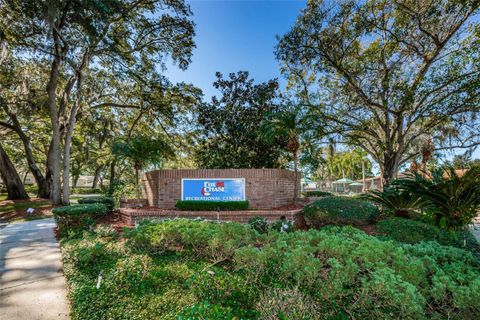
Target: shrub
[[413, 231], [339, 211], [107, 201], [200, 270], [211, 205], [451, 201], [73, 219], [286, 304], [86, 190], [399, 203], [258, 224], [348, 272], [282, 226], [317, 194], [212, 241]]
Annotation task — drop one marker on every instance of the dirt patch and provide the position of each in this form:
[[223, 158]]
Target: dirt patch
[[11, 210], [371, 229]]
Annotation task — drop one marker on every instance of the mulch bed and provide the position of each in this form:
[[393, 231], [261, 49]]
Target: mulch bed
[[114, 220]]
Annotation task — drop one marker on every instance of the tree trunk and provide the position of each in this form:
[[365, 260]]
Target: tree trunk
[[112, 175], [53, 161], [363, 175], [10, 178], [389, 168], [68, 143], [96, 177], [295, 169], [75, 178], [43, 191]]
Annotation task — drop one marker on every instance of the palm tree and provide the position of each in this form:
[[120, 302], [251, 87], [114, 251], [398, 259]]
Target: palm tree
[[142, 151], [290, 126]]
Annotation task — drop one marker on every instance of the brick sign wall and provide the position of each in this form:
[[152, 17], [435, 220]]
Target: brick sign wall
[[264, 188]]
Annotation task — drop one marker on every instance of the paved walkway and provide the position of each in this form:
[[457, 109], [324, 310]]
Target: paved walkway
[[32, 285], [476, 228]]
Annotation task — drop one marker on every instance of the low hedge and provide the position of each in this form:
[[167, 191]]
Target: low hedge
[[317, 194], [339, 211], [76, 218], [86, 190], [107, 201], [211, 205]]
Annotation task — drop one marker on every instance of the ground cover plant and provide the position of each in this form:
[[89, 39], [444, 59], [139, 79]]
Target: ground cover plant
[[415, 231], [339, 211], [184, 269]]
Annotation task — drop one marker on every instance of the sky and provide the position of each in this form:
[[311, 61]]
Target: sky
[[234, 35]]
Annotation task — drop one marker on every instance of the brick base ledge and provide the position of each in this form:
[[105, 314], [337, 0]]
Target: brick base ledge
[[131, 216]]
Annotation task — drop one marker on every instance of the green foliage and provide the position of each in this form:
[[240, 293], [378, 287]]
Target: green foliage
[[413, 231], [143, 151], [208, 240], [193, 205], [87, 191], [188, 269], [107, 201], [74, 219], [317, 194], [379, 66], [258, 224], [339, 211], [31, 188], [451, 201], [400, 203], [286, 304], [231, 125], [206, 310], [94, 209], [282, 226]]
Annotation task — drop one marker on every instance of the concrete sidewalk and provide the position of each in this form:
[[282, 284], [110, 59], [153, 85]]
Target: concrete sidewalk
[[32, 285], [476, 228]]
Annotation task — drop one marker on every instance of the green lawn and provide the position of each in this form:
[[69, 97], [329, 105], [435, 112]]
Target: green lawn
[[16, 211]]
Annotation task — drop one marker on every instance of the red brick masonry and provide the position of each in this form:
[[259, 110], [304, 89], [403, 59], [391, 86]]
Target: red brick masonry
[[131, 216], [264, 188]]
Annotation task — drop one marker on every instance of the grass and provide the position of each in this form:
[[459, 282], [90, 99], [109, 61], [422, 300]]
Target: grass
[[16, 210]]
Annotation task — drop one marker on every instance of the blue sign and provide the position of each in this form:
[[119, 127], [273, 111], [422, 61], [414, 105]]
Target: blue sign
[[213, 189]]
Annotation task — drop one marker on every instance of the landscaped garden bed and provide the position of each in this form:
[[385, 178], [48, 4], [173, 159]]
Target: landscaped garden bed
[[354, 259], [186, 269]]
